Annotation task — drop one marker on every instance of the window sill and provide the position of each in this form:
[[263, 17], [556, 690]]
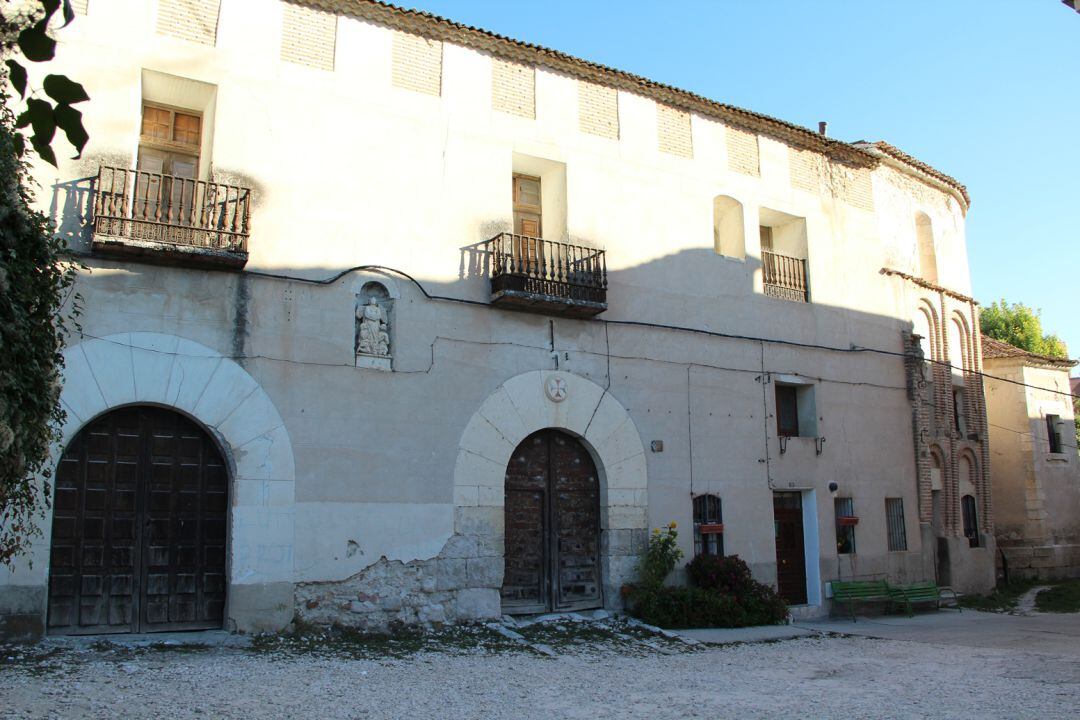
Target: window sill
[[1057, 457]]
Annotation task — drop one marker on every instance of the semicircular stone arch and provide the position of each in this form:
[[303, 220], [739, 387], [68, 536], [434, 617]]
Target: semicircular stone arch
[[146, 368], [521, 406]]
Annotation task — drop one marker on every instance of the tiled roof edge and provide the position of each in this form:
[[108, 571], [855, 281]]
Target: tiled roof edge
[[994, 349], [929, 285], [920, 169], [439, 28]]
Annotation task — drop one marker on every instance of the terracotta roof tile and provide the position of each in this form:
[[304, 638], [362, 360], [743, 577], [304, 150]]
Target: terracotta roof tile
[[997, 349]]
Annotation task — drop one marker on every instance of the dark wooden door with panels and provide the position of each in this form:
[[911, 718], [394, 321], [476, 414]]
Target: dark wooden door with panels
[[139, 527], [552, 527]]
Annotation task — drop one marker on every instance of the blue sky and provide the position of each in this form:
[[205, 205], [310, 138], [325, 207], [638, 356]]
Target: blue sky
[[987, 91]]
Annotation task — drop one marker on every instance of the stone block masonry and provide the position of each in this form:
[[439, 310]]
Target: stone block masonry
[[461, 584]]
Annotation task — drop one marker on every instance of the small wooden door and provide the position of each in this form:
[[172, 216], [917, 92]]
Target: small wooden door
[[139, 527], [552, 550], [790, 553]]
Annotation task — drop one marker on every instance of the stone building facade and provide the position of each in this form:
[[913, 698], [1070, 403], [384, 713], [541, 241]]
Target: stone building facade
[[393, 320], [1035, 469]]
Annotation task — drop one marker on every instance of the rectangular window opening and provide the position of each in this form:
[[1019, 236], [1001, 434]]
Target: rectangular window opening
[[894, 520], [971, 525], [1053, 432], [845, 529], [708, 526]]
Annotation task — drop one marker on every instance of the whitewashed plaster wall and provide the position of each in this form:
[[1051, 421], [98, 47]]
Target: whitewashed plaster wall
[[348, 170]]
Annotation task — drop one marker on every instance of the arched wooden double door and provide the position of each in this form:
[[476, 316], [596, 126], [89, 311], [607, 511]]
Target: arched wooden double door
[[139, 527], [552, 559]]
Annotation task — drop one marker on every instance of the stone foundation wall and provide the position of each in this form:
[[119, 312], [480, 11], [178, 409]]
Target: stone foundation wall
[[1043, 563]]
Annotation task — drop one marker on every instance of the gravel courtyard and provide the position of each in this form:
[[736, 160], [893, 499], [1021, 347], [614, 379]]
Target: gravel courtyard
[[551, 670]]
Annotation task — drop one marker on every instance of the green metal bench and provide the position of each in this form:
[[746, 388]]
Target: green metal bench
[[924, 592], [860, 591]]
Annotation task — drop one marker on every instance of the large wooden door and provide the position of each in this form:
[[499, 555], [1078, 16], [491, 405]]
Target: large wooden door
[[552, 551], [790, 550], [139, 527]]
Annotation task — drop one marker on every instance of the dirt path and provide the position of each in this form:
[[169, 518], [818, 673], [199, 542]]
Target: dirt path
[[593, 673]]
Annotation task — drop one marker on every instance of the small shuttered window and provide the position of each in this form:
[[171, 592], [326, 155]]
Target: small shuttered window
[[894, 523]]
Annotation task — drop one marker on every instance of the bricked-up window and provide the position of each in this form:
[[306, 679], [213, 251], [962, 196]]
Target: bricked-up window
[[1053, 432], [417, 63], [894, 524], [845, 531], [673, 127], [708, 526], [308, 36], [742, 151], [598, 110], [513, 88], [194, 20], [806, 170], [971, 524]]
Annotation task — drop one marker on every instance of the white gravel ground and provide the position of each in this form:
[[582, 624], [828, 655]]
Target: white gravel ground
[[596, 675]]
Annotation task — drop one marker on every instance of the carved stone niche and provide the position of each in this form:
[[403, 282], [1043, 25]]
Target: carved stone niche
[[374, 313]]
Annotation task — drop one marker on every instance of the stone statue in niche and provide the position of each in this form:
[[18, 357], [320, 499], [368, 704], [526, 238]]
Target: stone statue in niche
[[373, 336], [373, 317]]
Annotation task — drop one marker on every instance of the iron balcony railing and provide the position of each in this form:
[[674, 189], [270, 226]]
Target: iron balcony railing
[[785, 277], [547, 276], [154, 207]]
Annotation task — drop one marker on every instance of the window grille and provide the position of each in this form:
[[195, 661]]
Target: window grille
[[971, 524], [708, 538], [894, 520], [845, 534]]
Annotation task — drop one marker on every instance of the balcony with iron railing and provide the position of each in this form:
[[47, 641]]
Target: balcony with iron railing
[[545, 276], [167, 218], [785, 277]]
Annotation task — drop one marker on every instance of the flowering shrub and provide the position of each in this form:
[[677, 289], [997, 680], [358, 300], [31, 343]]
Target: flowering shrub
[[661, 557], [730, 576]]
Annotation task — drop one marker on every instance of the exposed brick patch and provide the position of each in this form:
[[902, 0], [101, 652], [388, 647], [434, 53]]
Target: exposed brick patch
[[673, 129], [598, 110], [308, 36], [417, 63], [806, 170], [513, 88], [742, 151], [79, 6], [194, 20]]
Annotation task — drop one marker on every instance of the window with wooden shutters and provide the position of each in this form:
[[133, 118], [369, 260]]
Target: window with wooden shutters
[[894, 523], [845, 528], [1053, 432], [708, 526], [787, 410], [527, 221], [168, 164], [971, 521]]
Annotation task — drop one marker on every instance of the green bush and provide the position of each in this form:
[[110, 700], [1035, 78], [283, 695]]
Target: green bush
[[723, 593]]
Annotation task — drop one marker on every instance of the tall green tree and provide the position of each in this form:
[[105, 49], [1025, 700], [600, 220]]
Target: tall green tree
[[36, 275], [1020, 326]]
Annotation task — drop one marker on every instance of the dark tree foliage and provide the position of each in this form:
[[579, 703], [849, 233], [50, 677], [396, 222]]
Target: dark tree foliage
[[36, 279]]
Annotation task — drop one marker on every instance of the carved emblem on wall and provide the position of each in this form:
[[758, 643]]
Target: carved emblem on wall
[[555, 388]]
